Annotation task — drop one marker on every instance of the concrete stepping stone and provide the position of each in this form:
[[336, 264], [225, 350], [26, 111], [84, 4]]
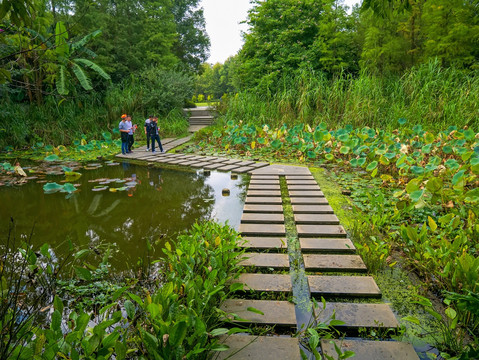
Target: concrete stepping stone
[[218, 161], [243, 169], [323, 219], [258, 165], [262, 260], [304, 187], [275, 312], [327, 246], [301, 182], [309, 201], [263, 200], [265, 282], [177, 162], [264, 182], [262, 229], [200, 164], [246, 163], [189, 163], [302, 193], [312, 209], [232, 161], [263, 193], [264, 177], [263, 187], [258, 208], [261, 218], [247, 347], [371, 350], [321, 231], [352, 286], [300, 177], [324, 263], [264, 243], [213, 166], [228, 167], [278, 169], [358, 315]]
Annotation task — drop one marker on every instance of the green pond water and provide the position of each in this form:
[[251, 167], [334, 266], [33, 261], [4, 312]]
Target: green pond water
[[160, 204]]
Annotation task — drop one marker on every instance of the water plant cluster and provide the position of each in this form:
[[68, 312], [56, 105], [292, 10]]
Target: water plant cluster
[[179, 319]]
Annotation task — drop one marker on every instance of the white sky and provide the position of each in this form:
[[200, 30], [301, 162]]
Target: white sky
[[223, 19]]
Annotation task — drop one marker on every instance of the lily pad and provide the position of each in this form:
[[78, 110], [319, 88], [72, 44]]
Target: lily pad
[[52, 157], [50, 188]]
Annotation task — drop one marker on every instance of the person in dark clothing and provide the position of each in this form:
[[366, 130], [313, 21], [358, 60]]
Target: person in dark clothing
[[131, 139], [147, 131], [154, 135]]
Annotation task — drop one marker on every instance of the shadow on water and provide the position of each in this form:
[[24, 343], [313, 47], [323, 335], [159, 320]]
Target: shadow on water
[[163, 203]]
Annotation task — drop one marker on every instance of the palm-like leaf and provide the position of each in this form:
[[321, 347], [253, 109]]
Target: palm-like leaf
[[82, 77], [61, 82], [82, 42], [91, 65]]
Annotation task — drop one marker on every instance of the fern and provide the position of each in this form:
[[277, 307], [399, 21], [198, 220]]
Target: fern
[[91, 65], [82, 77], [61, 81]]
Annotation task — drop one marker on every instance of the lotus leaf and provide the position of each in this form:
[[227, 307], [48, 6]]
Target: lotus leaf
[[452, 164], [52, 187], [372, 165], [52, 157], [69, 188]]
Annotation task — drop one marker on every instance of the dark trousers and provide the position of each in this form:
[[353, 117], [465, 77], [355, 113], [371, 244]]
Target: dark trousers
[[147, 140], [131, 140], [153, 139]]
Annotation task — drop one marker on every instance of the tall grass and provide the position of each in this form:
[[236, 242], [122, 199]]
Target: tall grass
[[429, 95]]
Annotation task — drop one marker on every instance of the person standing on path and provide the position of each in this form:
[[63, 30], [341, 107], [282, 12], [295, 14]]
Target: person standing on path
[[147, 131], [154, 135], [124, 130], [131, 131]]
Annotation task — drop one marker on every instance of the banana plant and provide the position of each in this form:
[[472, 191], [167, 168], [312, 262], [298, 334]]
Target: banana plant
[[70, 66]]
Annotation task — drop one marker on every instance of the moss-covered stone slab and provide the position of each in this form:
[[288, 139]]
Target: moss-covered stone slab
[[371, 350], [264, 187], [312, 209], [303, 193], [262, 229], [263, 200], [309, 201], [259, 208], [303, 187], [261, 218], [263, 193], [249, 347], [347, 286], [322, 219], [265, 282], [327, 246], [265, 260], [228, 167], [320, 262], [320, 230], [264, 243], [274, 312], [358, 315]]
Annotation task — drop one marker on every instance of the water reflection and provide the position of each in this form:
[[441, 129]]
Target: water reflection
[[160, 204]]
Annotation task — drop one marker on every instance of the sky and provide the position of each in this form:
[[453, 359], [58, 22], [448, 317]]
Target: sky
[[223, 19]]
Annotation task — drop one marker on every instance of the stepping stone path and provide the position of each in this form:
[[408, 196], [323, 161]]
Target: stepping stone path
[[274, 269]]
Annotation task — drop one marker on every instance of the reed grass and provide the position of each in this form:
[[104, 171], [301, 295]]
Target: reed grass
[[429, 95]]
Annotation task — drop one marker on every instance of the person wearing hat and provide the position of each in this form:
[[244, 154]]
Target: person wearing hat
[[124, 130], [147, 131]]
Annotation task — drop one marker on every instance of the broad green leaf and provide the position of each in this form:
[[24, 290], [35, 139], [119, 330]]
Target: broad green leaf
[[82, 273], [372, 165], [130, 309], [178, 333], [256, 311]]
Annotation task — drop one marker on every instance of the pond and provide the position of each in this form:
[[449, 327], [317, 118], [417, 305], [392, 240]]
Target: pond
[[158, 204]]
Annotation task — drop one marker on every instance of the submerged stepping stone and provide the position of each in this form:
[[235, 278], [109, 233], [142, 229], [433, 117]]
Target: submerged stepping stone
[[261, 260], [303, 187], [353, 263], [263, 193], [243, 169], [260, 218], [352, 286], [228, 167], [321, 231], [358, 315], [301, 193], [263, 200], [247, 347], [257, 208], [309, 201], [371, 350], [264, 182], [328, 246], [265, 282], [262, 229], [264, 243], [312, 209], [263, 187], [275, 312], [323, 219]]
